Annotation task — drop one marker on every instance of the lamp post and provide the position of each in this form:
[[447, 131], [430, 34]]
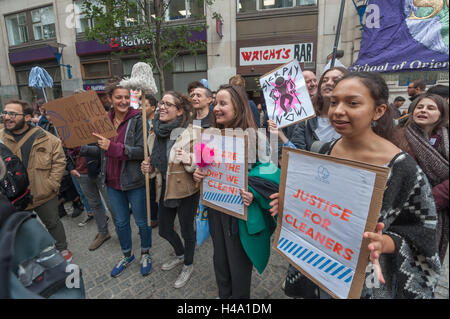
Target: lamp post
[[338, 33], [58, 54]]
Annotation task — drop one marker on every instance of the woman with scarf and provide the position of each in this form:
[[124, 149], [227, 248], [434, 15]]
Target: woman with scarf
[[427, 136], [121, 158], [172, 162], [403, 247]]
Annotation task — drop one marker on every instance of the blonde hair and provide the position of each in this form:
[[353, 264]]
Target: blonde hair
[[237, 80]]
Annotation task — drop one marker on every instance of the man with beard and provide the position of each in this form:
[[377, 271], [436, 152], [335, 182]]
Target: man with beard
[[43, 156], [415, 89]]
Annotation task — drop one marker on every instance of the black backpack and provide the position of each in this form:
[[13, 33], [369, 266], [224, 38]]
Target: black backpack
[[30, 265], [15, 184]]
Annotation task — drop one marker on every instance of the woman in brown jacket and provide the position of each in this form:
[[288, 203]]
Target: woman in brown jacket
[[172, 162]]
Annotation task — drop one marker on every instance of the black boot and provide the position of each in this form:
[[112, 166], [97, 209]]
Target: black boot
[[77, 208]]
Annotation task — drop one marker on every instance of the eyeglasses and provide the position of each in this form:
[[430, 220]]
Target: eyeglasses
[[11, 114], [166, 104]]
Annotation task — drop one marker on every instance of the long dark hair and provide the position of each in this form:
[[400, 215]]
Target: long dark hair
[[442, 106], [318, 100], [379, 91], [182, 103], [243, 117]]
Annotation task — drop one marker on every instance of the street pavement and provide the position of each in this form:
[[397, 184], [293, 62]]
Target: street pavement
[[97, 265]]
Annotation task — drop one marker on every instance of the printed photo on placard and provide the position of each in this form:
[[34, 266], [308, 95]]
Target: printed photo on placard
[[286, 96]]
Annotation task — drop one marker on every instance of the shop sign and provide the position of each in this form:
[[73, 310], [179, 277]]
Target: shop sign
[[126, 41], [276, 54]]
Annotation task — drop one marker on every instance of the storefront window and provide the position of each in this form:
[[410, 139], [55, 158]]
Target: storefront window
[[96, 70], [254, 5], [43, 23], [16, 26]]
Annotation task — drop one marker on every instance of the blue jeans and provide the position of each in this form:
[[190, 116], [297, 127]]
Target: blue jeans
[[119, 202]]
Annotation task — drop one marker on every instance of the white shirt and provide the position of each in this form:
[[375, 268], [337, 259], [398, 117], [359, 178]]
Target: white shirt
[[325, 131]]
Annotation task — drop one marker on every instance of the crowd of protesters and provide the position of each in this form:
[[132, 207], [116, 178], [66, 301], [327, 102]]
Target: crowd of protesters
[[353, 121]]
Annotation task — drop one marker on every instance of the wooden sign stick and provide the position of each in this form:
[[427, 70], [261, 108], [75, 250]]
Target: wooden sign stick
[[147, 179]]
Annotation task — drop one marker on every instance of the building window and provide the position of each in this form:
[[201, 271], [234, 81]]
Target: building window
[[191, 63], [127, 65], [43, 23], [255, 5], [430, 77], [182, 9], [16, 25], [96, 70], [82, 22], [33, 25]]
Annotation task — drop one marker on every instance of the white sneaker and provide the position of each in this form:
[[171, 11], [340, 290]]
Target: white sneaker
[[184, 276], [171, 264]]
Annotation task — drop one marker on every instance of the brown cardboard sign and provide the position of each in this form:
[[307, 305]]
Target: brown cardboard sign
[[325, 206], [78, 116], [227, 174]]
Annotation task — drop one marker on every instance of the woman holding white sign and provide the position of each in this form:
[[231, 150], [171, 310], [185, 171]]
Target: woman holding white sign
[[403, 248], [172, 162], [232, 266]]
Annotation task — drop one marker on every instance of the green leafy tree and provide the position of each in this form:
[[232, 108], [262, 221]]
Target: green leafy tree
[[144, 21]]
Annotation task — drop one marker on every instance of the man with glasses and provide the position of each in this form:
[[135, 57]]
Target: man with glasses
[[43, 156]]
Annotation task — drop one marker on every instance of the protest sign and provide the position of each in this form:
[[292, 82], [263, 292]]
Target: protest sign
[[326, 205], [227, 173], [135, 96], [287, 98], [78, 116]]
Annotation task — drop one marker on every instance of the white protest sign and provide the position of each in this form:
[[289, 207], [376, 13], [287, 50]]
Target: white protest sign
[[327, 205], [226, 175], [287, 98]]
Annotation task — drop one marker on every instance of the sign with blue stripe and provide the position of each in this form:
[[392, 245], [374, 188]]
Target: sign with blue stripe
[[227, 175], [326, 206]]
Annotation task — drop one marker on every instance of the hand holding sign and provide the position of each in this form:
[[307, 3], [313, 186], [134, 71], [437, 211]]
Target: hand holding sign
[[145, 166], [199, 175], [102, 142], [247, 197], [274, 204]]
